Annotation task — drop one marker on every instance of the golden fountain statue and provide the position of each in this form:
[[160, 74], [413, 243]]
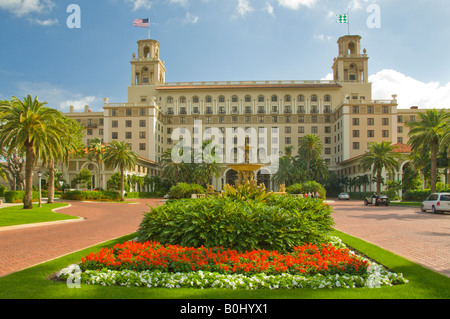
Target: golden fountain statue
[[246, 171]]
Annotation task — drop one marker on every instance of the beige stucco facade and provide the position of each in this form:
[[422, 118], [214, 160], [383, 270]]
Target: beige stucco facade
[[341, 111]]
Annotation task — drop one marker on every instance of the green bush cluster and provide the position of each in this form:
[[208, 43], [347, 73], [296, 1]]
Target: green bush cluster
[[91, 195], [3, 189], [184, 190], [157, 194], [307, 187], [421, 194], [14, 197], [280, 223]]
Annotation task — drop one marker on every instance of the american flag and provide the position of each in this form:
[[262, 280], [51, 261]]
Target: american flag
[[142, 23]]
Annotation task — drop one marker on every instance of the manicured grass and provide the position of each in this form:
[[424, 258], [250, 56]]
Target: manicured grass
[[32, 283], [16, 215], [413, 204]]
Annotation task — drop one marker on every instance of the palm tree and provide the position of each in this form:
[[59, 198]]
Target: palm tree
[[30, 126], [96, 149], [71, 142], [119, 155], [310, 148], [380, 156], [430, 130], [173, 171]]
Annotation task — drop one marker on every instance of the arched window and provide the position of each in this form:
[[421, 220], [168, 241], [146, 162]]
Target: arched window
[[221, 99], [208, 99], [170, 100], [195, 99], [274, 98], [301, 98], [248, 98], [327, 98], [146, 52], [261, 98], [313, 98], [287, 98], [182, 99]]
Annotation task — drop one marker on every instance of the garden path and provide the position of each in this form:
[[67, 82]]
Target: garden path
[[28, 246]]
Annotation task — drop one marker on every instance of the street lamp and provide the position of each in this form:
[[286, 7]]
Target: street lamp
[[40, 176], [61, 183]]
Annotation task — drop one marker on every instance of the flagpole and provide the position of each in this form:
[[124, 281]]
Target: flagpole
[[149, 28], [348, 23]]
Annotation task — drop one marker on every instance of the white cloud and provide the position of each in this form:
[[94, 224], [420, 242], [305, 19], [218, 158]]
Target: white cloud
[[322, 37], [243, 8], [24, 7], [410, 92], [58, 97], [140, 4], [269, 8], [183, 3], [296, 4], [190, 18], [45, 23]]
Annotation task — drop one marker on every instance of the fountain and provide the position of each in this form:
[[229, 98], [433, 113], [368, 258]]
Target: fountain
[[246, 171]]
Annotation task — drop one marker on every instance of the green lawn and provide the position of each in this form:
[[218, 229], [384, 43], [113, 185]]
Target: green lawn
[[33, 283], [16, 215]]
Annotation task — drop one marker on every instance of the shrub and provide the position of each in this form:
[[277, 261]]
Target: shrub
[[3, 189], [157, 194], [247, 191], [91, 195], [307, 187], [14, 197], [184, 190], [281, 223]]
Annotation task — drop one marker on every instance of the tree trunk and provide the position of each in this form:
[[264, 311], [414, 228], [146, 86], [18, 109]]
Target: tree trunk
[[434, 150], [51, 183], [28, 197], [378, 182], [122, 185]]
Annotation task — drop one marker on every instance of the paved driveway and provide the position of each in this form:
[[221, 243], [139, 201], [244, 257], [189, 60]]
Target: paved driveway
[[26, 247], [423, 238]]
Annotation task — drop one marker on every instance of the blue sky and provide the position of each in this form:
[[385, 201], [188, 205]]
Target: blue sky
[[220, 40]]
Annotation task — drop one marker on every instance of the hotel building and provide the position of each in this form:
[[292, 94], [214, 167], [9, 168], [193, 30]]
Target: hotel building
[[341, 111]]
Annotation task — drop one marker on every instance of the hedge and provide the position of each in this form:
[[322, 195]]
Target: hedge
[[14, 197], [307, 187], [92, 195], [280, 223], [184, 190], [157, 194], [420, 195]]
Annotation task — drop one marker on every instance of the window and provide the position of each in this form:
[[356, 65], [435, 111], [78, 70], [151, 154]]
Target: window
[[274, 119], [301, 109], [355, 109], [129, 112], [170, 100], [356, 145], [287, 119], [261, 109], [287, 130], [355, 133], [115, 135], [287, 98], [100, 131], [385, 121], [234, 110], [314, 109], [385, 109], [195, 99], [287, 109], [248, 98], [260, 119], [182, 99], [400, 119], [248, 109], [400, 140], [128, 123], [208, 99], [327, 109], [221, 109], [327, 140], [355, 121], [327, 98], [142, 123], [287, 140], [114, 113], [327, 129], [221, 99], [248, 119], [301, 129], [314, 129], [327, 151], [115, 124], [370, 121], [301, 119], [385, 133], [370, 110], [142, 135], [261, 98], [89, 132], [274, 109], [234, 99], [128, 135], [142, 146], [274, 98], [313, 98], [370, 133], [314, 119], [142, 112], [301, 98], [400, 129], [234, 119]]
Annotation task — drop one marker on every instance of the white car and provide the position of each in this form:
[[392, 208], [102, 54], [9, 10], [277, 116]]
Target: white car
[[437, 202], [344, 196]]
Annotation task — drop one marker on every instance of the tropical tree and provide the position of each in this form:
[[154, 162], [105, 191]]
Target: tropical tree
[[119, 155], [28, 125], [431, 129], [310, 148], [173, 171], [95, 152], [380, 156], [71, 143]]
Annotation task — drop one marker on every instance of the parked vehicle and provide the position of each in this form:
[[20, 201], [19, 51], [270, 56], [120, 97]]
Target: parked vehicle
[[436, 203], [377, 200], [344, 196]]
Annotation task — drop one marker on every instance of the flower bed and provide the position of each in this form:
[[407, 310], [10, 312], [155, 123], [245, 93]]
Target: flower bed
[[151, 264]]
